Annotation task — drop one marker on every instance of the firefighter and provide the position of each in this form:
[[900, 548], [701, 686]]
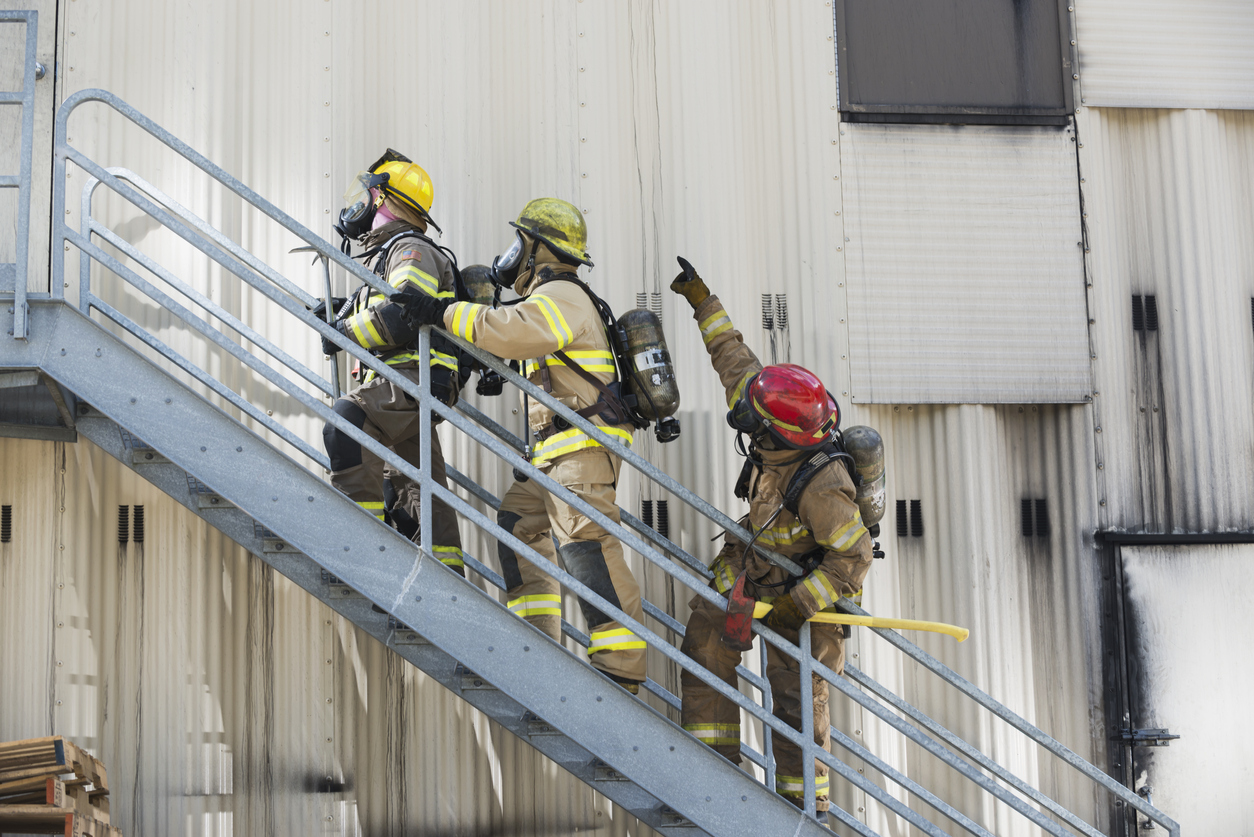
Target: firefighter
[[787, 414], [557, 324], [386, 209]]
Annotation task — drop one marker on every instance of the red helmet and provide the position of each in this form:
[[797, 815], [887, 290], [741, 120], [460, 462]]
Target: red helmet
[[790, 403]]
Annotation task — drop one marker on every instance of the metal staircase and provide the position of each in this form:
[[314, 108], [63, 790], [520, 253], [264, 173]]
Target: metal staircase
[[261, 495]]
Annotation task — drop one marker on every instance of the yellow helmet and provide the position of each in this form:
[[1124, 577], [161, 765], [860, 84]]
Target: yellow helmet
[[559, 225], [407, 181]]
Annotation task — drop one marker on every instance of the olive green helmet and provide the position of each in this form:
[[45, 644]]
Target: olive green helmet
[[559, 225]]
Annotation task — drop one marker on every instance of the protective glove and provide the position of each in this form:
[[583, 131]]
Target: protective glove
[[320, 310], [785, 616], [689, 285], [419, 309], [329, 348]]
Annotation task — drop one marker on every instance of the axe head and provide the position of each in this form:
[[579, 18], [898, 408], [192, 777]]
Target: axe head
[[737, 633]]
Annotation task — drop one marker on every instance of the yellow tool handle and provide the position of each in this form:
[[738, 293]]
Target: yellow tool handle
[[760, 609]]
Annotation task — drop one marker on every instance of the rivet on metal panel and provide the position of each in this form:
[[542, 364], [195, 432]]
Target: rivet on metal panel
[[835, 177], [203, 449], [581, 69], [383, 549], [132, 400], [1073, 41], [707, 799], [168, 400], [845, 393], [1075, 76], [1101, 502], [829, 72], [61, 586], [1099, 428], [526, 647], [491, 648], [269, 412], [58, 703], [67, 249], [842, 319], [60, 663], [1101, 466], [60, 624], [328, 700], [63, 353], [326, 104], [97, 353], [328, 663], [585, 174], [635, 749], [1081, 179], [745, 798], [583, 139], [239, 450], [838, 249], [1071, 8], [563, 699]]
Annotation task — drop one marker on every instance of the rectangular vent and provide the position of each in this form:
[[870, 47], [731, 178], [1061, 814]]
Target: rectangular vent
[[642, 300], [1042, 519], [781, 311], [916, 518], [903, 523], [137, 524], [6, 524], [663, 519], [1025, 517], [1151, 313], [768, 313], [124, 524], [1138, 313], [655, 304], [646, 513], [1252, 311]]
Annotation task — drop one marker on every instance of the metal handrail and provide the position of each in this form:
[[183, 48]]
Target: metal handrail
[[22, 180], [293, 300]]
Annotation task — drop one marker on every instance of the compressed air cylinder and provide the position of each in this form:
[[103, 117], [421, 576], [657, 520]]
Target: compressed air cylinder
[[651, 376], [866, 447], [478, 281]]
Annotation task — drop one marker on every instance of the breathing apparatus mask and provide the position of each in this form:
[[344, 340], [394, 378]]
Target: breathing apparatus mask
[[505, 267], [362, 200]]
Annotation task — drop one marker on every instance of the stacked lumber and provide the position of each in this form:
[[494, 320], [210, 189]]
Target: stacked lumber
[[50, 786]]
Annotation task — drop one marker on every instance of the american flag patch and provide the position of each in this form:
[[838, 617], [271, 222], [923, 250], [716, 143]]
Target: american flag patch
[[416, 255]]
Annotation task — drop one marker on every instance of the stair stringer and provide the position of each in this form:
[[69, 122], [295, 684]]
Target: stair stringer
[[597, 719]]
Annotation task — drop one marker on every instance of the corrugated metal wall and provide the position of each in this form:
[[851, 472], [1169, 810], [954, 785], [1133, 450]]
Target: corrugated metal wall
[[1170, 215], [1161, 54]]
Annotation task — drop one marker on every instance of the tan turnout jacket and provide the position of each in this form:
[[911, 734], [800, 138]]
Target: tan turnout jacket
[[555, 315], [828, 515]]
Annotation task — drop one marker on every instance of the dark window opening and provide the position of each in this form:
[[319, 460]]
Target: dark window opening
[[6, 524], [954, 61], [124, 524]]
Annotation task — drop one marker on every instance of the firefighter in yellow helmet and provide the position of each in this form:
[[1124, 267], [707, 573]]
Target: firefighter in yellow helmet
[[558, 334], [387, 210]]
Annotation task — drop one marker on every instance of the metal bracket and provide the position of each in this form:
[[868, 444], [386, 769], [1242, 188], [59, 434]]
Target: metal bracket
[[1145, 737], [470, 680]]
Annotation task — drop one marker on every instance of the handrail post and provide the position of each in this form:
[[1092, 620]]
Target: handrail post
[[807, 720], [424, 444]]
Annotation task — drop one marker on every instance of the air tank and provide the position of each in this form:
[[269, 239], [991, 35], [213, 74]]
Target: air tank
[[866, 447], [478, 282], [650, 373]]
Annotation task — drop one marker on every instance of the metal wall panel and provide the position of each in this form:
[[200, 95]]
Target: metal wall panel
[[1160, 54], [1170, 214], [965, 278]]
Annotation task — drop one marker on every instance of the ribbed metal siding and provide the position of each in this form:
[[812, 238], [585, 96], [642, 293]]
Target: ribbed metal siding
[[1170, 214], [965, 278], [1160, 54]]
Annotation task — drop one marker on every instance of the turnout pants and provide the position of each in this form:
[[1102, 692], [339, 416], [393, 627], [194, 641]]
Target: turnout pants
[[388, 414], [716, 720], [587, 551]]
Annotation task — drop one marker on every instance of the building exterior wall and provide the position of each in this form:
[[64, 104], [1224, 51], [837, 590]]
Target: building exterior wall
[[704, 129]]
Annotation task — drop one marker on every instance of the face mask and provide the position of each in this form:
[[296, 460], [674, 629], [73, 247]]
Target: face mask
[[361, 202], [505, 266]]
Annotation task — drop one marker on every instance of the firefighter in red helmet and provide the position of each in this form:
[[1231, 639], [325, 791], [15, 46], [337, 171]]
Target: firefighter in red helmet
[[787, 415]]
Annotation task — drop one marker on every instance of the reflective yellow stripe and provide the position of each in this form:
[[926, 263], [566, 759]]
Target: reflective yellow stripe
[[847, 535], [821, 589], [557, 323], [796, 785], [375, 508], [452, 556], [573, 440], [545, 604], [740, 387], [715, 734], [714, 325], [408, 273], [367, 335], [618, 639], [437, 359], [785, 535], [724, 578], [464, 314], [592, 361]]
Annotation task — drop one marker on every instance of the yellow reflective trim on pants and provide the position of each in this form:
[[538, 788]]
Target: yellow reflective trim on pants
[[847, 535], [452, 556], [573, 440], [796, 785], [557, 323], [544, 604], [464, 314], [715, 734], [367, 335], [618, 639], [375, 508]]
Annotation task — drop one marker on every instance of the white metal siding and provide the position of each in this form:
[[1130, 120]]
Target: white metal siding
[[1171, 213], [1164, 54], [965, 279]]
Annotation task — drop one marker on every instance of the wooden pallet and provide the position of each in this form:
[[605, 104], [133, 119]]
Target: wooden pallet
[[50, 786]]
